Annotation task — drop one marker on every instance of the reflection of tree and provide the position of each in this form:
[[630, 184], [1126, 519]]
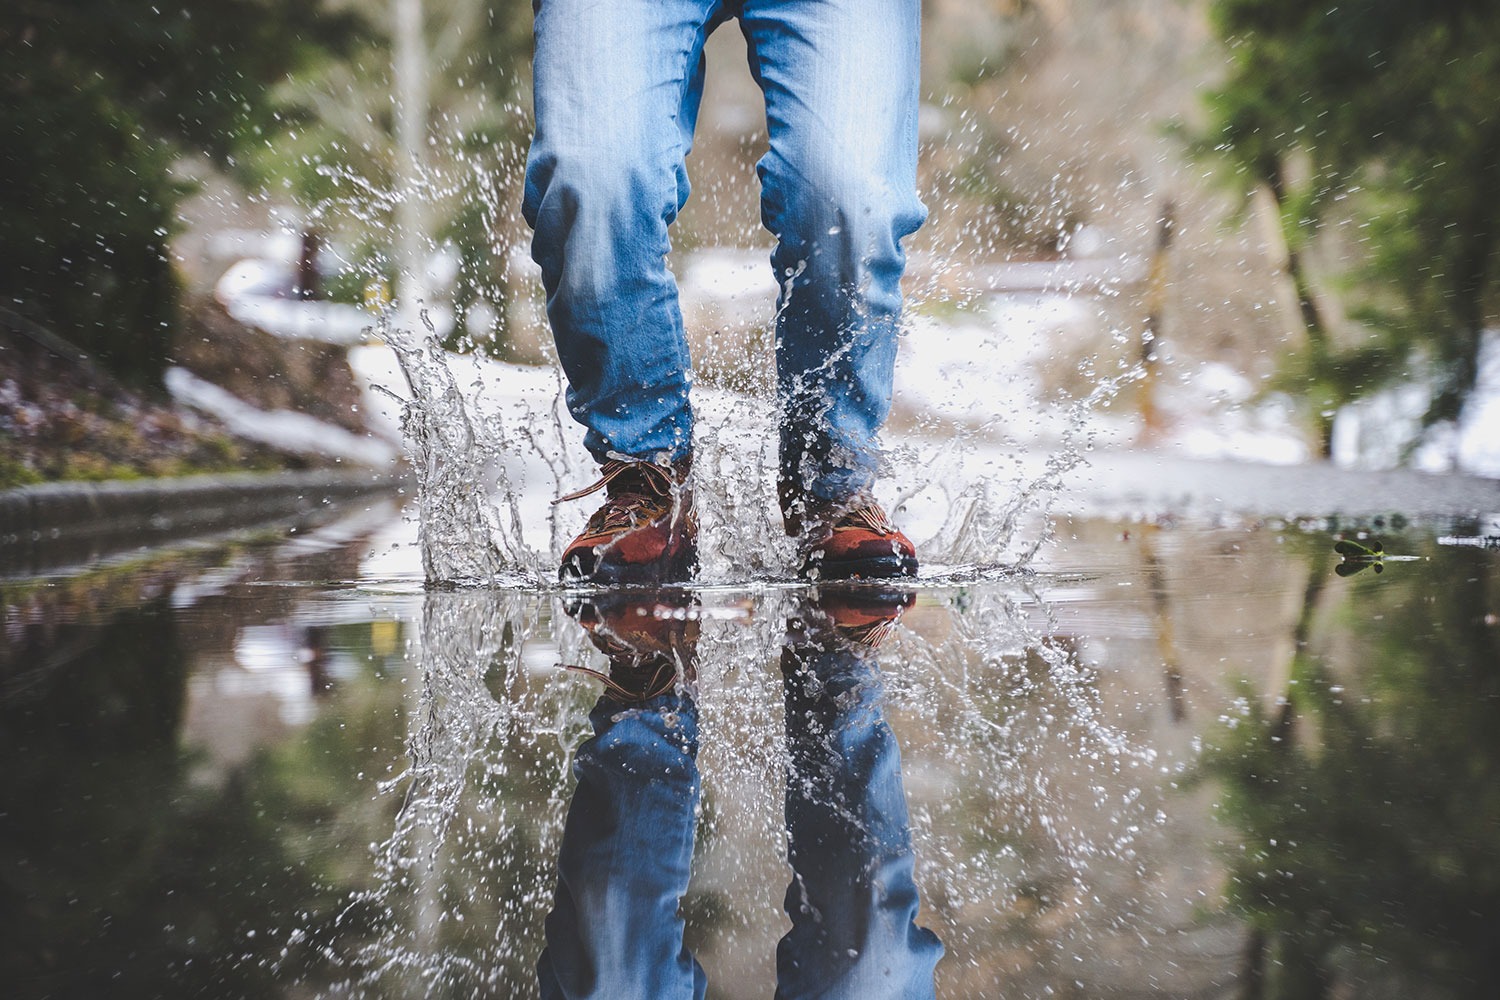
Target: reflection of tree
[[463, 873], [126, 868], [1161, 615], [1369, 819], [120, 877]]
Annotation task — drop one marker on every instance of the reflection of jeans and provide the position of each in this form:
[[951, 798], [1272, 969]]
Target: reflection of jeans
[[627, 847], [617, 89], [626, 854], [852, 901]]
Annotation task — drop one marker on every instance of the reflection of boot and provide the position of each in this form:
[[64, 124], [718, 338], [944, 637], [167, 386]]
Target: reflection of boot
[[625, 858], [646, 531], [651, 641], [857, 616]]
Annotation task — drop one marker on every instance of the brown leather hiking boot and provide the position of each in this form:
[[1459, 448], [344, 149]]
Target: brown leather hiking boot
[[651, 641], [646, 531], [849, 541]]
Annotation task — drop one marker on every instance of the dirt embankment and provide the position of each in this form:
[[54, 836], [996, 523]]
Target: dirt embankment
[[265, 371], [62, 417]]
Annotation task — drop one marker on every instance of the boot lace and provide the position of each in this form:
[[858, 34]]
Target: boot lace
[[639, 492], [868, 517]]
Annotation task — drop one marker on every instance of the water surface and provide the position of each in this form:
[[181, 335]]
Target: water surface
[[1167, 758]]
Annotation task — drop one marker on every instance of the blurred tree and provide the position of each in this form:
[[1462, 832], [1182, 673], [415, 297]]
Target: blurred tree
[[97, 101], [1383, 113], [338, 151]]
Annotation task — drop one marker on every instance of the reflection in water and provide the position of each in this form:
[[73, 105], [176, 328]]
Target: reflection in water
[[132, 865], [626, 852], [853, 897], [751, 730], [454, 897], [181, 816], [1369, 798]]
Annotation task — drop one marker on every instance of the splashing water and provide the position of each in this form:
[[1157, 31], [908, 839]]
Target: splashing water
[[493, 447], [468, 845], [463, 539], [1016, 782], [1015, 779]]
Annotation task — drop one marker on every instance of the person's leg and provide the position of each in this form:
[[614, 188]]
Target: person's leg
[[840, 79], [626, 855], [617, 86], [853, 897]]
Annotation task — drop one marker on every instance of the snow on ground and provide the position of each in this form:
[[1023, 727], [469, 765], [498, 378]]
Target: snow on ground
[[261, 293], [1213, 415], [1377, 432], [985, 370], [726, 274], [283, 429]]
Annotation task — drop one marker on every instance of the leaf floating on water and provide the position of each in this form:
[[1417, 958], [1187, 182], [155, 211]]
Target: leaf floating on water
[[1358, 556], [1352, 549]]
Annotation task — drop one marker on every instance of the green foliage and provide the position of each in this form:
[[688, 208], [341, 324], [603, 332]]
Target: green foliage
[[97, 101], [334, 146], [1383, 113], [1367, 802], [57, 424]]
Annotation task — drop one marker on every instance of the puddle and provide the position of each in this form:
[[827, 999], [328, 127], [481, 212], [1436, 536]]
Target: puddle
[[1185, 761]]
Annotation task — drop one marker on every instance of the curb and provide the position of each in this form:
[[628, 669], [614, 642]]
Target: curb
[[78, 515]]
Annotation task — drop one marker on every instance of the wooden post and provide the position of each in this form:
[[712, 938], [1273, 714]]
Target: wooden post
[[308, 282], [1156, 299]]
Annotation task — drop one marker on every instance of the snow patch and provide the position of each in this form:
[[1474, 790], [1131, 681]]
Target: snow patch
[[282, 429], [1384, 430]]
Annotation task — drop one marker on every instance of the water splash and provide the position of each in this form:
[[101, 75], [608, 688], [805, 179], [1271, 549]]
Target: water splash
[[462, 882], [992, 523], [463, 537], [492, 447], [1019, 787]]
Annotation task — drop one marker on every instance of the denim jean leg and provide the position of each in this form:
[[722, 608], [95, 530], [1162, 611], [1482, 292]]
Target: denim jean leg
[[626, 855], [617, 88], [840, 79], [853, 898]]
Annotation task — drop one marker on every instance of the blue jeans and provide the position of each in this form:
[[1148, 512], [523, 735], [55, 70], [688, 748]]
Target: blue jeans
[[617, 89], [614, 931]]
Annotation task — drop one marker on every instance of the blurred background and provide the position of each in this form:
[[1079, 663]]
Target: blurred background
[[1279, 220], [1173, 755]]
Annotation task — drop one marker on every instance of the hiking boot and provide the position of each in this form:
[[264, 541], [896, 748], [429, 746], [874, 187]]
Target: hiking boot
[[859, 616], [651, 642], [847, 542], [646, 531]]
